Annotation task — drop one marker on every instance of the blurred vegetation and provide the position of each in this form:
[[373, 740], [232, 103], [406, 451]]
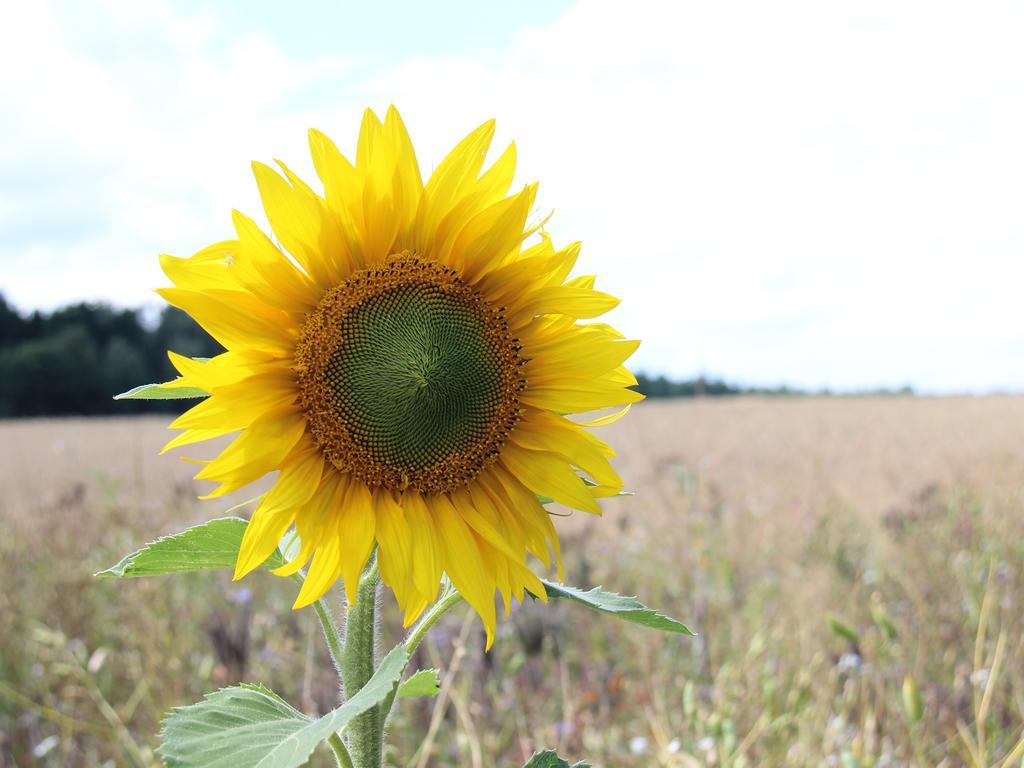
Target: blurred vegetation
[[866, 641], [74, 360]]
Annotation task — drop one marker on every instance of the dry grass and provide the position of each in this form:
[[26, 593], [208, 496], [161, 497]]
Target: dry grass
[[834, 554]]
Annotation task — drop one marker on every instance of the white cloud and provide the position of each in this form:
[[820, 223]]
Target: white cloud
[[796, 191]]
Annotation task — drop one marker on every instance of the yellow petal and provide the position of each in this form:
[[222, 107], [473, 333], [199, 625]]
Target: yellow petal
[[450, 181], [301, 223], [483, 520], [427, 552], [541, 431], [356, 524], [578, 396], [209, 268], [491, 234], [485, 192], [463, 562], [369, 135], [300, 477], [397, 137], [380, 219], [222, 370], [549, 475], [510, 283], [574, 302], [190, 436], [262, 535], [237, 320], [394, 551], [394, 177], [311, 520], [518, 503], [610, 418], [343, 188], [264, 270], [323, 571], [235, 406], [260, 449]]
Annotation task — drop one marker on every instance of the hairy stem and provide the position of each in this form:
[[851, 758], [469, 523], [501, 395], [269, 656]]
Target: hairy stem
[[436, 611], [330, 629], [365, 734], [449, 598]]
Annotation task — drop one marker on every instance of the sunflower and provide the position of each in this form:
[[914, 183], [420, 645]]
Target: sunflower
[[405, 356]]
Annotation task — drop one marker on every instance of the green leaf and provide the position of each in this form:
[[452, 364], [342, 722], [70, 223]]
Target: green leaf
[[211, 545], [549, 759], [841, 629], [423, 683], [251, 727], [913, 705], [160, 392], [620, 606]]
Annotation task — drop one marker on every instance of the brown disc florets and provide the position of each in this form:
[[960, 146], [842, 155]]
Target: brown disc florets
[[409, 377]]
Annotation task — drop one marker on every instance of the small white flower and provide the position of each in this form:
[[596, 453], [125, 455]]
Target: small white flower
[[674, 746], [849, 662], [45, 746], [638, 745]]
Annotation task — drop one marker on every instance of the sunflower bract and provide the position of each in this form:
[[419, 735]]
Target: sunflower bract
[[408, 361]]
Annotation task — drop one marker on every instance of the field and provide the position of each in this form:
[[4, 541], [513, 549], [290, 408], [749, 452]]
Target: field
[[854, 567]]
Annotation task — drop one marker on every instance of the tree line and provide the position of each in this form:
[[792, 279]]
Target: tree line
[[74, 360]]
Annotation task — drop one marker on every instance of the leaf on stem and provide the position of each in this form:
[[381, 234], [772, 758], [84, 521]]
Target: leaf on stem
[[211, 545], [249, 726], [425, 682], [620, 606], [549, 759], [160, 392]]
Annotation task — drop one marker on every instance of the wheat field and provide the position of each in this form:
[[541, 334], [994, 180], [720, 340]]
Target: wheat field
[[854, 568]]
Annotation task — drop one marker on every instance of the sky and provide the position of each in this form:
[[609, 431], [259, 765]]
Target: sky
[[816, 194]]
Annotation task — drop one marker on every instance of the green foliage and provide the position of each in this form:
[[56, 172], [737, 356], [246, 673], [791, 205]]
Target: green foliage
[[157, 392], [549, 759], [841, 629], [250, 727], [233, 726], [209, 546], [73, 360], [215, 544], [619, 606], [913, 705], [662, 386], [425, 682]]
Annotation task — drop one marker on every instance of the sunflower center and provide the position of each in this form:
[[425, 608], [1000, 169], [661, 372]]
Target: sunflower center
[[409, 377]]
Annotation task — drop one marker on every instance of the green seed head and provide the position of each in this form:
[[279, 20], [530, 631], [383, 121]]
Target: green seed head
[[415, 378], [409, 377]]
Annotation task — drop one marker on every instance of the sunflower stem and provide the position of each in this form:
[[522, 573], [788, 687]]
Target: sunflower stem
[[449, 599], [365, 734], [331, 635], [330, 629]]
